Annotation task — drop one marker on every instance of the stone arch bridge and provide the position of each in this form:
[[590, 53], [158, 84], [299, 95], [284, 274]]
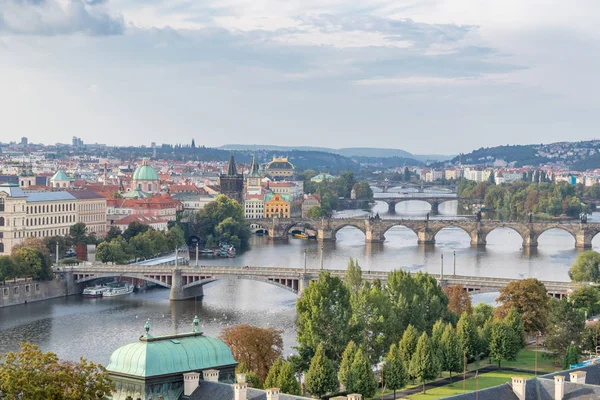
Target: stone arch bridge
[[187, 282], [426, 230], [434, 201]]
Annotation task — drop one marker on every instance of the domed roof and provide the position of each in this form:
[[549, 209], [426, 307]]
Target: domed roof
[[279, 163], [60, 176], [166, 355], [145, 172]]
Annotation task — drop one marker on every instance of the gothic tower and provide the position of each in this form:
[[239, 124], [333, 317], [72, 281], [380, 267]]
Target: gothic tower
[[232, 183]]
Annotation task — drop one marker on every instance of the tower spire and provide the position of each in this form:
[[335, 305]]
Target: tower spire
[[232, 171]]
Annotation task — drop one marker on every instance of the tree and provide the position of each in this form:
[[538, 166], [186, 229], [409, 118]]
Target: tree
[[467, 335], [112, 233], [363, 191], [31, 374], [271, 379], [361, 378], [324, 314], [586, 299], [8, 269], [451, 359], [503, 343], [223, 220], [33, 262], [529, 298], [175, 237], [481, 313], [408, 344], [424, 366], [117, 251], [317, 212], [459, 300], [565, 326], [406, 175], [492, 178], [571, 356], [286, 379], [133, 229], [78, 233], [395, 375], [514, 321], [344, 184], [586, 267], [346, 363], [256, 348], [353, 277], [320, 378]]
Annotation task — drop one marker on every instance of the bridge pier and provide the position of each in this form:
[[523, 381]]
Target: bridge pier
[[176, 286], [583, 239], [530, 240], [426, 237], [435, 207], [478, 238], [278, 234], [303, 283], [325, 235], [391, 207]]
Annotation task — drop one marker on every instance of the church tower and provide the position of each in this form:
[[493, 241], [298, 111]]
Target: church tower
[[232, 183], [253, 184]]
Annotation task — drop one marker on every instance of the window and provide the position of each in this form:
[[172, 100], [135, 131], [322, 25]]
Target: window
[[27, 288], [1, 204], [37, 287], [5, 292], [16, 291], [1, 221], [1, 247]]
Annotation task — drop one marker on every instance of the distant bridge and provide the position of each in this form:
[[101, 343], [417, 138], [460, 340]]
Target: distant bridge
[[386, 185], [434, 200], [426, 230], [187, 282]]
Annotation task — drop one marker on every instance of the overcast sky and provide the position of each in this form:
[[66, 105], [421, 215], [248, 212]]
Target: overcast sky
[[427, 76]]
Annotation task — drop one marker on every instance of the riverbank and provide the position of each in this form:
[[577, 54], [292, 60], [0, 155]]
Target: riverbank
[[29, 291]]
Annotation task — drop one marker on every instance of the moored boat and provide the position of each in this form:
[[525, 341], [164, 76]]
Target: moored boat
[[301, 235], [118, 289], [94, 291], [227, 250]]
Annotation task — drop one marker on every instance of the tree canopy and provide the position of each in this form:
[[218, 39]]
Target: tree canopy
[[529, 298], [586, 267]]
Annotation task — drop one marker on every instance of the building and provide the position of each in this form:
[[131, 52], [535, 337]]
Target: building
[[91, 210], [193, 202], [322, 177], [253, 183], [280, 167], [254, 206], [434, 175], [145, 178], [33, 214], [161, 206], [277, 205], [309, 202], [156, 223], [285, 187], [60, 180], [166, 365], [232, 183], [24, 141]]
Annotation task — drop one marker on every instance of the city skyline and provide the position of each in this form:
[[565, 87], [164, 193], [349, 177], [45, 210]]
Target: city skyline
[[387, 74]]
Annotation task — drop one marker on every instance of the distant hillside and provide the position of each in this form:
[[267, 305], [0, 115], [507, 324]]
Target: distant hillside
[[370, 152]]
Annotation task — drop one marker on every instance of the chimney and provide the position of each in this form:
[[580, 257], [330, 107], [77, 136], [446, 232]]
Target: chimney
[[240, 389], [578, 377], [355, 396], [273, 394], [559, 387], [190, 382], [518, 386], [210, 375]]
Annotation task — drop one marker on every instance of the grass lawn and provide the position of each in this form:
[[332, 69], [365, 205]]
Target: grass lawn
[[487, 380], [525, 360]]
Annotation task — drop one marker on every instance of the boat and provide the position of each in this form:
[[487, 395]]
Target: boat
[[94, 291], [301, 235], [118, 289], [227, 250]]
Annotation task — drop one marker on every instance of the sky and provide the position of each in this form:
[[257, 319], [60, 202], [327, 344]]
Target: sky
[[429, 76]]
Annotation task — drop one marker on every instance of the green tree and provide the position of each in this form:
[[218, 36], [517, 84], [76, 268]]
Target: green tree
[[320, 378], [133, 229], [175, 237], [481, 313], [78, 233], [324, 314], [529, 298], [33, 262], [492, 178], [451, 359], [467, 335], [317, 212], [586, 267], [112, 233], [395, 375], [8, 269], [586, 299], [353, 277], [361, 378], [503, 344], [424, 365], [513, 320], [117, 251], [31, 374], [286, 380], [223, 220], [565, 325], [363, 191], [408, 344], [271, 379], [344, 184], [406, 175], [346, 363], [571, 356]]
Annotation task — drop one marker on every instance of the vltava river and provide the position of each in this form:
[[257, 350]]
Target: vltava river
[[93, 328]]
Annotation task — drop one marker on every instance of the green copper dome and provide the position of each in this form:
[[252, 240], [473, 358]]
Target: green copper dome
[[166, 355], [145, 172], [60, 176]]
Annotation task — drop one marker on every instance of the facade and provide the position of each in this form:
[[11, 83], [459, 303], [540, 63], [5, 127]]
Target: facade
[[322, 177], [161, 206], [309, 202], [277, 205], [280, 167], [60, 180], [163, 365], [156, 223], [232, 183], [145, 178], [288, 188], [91, 210], [193, 202], [254, 206], [253, 183]]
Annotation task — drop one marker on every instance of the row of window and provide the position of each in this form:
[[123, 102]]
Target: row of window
[[91, 207], [16, 289], [93, 218], [57, 219], [50, 208]]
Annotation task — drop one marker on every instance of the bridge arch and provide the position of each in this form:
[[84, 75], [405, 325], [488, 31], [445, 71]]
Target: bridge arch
[[118, 275], [402, 224], [437, 230], [360, 226], [303, 224], [540, 232], [270, 281]]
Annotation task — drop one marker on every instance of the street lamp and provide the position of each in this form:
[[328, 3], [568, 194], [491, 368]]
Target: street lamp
[[322, 257], [305, 261]]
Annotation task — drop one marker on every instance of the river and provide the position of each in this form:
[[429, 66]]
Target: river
[[93, 328]]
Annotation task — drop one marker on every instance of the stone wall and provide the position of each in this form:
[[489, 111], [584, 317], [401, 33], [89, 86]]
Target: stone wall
[[27, 291]]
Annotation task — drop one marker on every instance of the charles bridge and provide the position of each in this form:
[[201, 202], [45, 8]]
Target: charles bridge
[[187, 281], [426, 230]]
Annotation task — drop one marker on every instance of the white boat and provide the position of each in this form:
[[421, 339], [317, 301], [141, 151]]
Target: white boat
[[94, 291], [118, 290]]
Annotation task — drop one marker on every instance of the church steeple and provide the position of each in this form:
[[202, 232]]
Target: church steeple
[[232, 171], [254, 167]]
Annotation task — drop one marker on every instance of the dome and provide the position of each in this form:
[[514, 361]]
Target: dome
[[280, 164], [166, 355], [145, 172], [60, 176]]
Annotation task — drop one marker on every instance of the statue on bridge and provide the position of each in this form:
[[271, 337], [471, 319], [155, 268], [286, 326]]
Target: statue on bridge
[[583, 218], [427, 217], [478, 216], [530, 217]]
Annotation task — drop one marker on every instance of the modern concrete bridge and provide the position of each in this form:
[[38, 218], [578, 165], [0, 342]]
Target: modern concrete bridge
[[386, 185], [187, 281], [426, 230]]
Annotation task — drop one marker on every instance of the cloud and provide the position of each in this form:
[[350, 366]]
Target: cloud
[[58, 17]]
